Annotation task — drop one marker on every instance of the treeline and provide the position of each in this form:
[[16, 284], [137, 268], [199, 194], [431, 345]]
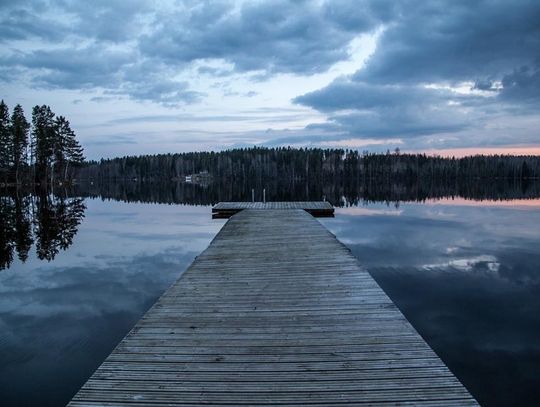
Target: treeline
[[256, 165], [43, 151]]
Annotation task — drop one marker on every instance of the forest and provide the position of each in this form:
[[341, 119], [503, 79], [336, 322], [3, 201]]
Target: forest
[[49, 217], [45, 151], [258, 165]]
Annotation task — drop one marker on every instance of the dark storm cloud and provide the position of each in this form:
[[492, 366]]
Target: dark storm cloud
[[88, 45], [143, 50], [54, 20], [346, 94], [383, 111], [116, 71], [455, 41], [275, 36], [355, 15], [522, 85], [493, 44], [400, 124], [158, 89], [22, 24], [136, 49], [72, 68], [107, 20]]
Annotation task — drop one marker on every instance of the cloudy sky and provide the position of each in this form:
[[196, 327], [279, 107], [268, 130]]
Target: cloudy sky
[[142, 76]]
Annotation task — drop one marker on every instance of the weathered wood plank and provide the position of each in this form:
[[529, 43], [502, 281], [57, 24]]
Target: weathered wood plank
[[275, 312], [315, 208]]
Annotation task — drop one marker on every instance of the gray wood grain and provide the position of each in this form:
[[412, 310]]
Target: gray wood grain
[[276, 311], [315, 208]]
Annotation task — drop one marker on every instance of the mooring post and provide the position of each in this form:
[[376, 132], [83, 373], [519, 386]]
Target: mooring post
[[252, 195], [264, 195]]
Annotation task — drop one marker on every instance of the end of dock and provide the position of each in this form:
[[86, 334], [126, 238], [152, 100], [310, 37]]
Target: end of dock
[[318, 209]]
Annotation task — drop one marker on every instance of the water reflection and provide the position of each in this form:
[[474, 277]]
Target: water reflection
[[464, 272], [468, 278], [339, 192], [60, 319], [49, 220]]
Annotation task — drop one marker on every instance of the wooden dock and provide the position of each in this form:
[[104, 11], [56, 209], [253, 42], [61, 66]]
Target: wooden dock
[[317, 209], [276, 311]]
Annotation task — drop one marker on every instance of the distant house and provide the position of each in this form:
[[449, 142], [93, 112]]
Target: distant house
[[202, 178]]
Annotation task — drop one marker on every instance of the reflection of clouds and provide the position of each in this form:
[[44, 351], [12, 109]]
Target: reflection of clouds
[[533, 203], [93, 289], [66, 320], [161, 237], [468, 279], [67, 315], [363, 211], [419, 237], [438, 214], [477, 263], [408, 239]]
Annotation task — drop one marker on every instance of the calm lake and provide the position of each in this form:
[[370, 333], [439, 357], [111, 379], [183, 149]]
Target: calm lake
[[466, 273]]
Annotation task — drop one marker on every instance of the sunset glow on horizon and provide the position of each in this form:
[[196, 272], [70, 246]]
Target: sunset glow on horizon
[[470, 151]]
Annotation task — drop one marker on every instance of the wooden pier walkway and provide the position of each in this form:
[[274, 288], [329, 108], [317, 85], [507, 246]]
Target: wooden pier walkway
[[276, 311], [318, 209]]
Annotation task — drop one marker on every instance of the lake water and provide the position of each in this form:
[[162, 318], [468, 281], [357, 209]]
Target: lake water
[[465, 273]]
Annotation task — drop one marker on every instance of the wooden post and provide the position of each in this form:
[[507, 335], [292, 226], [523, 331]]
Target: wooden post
[[252, 195], [264, 195]]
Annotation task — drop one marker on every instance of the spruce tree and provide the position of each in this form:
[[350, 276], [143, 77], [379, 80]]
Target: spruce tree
[[19, 132], [68, 149], [75, 152], [62, 131], [6, 141], [44, 134]]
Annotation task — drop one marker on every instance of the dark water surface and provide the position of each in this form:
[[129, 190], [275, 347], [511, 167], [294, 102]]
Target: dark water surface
[[468, 278], [465, 273], [59, 320]]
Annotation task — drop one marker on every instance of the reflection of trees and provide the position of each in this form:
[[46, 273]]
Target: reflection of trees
[[49, 220], [23, 226], [339, 192], [56, 224], [7, 232]]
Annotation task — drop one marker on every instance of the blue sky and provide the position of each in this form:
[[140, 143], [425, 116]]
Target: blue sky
[[142, 76]]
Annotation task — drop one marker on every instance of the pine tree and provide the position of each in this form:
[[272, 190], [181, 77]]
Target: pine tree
[[6, 141], [43, 132], [19, 132], [62, 132], [68, 149]]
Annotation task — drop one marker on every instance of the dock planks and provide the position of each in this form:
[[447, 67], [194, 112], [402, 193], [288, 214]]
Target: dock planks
[[276, 311], [318, 209]]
